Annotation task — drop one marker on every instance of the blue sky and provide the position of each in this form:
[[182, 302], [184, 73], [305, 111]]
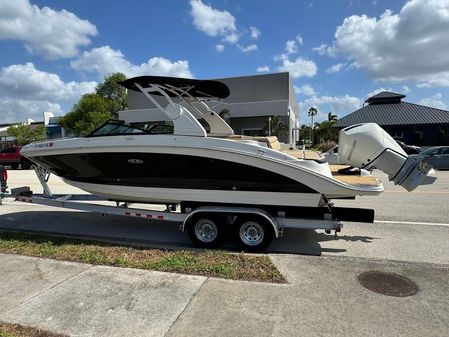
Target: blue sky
[[337, 52]]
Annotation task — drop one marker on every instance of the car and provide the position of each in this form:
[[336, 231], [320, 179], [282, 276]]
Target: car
[[437, 156], [409, 149], [10, 156]]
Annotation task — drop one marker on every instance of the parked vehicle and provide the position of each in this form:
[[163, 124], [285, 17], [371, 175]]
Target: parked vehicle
[[438, 157], [409, 149], [10, 156]]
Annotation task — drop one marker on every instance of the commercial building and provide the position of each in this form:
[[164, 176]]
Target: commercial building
[[250, 109], [53, 130], [412, 123]]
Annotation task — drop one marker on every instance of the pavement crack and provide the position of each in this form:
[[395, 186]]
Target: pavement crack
[[186, 306]]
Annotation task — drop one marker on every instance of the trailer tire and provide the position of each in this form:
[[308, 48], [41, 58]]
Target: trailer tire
[[205, 230], [252, 233]]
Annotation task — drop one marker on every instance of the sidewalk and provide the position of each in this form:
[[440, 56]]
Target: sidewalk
[[323, 298]]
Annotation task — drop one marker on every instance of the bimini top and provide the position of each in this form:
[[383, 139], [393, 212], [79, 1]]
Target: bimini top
[[195, 88]]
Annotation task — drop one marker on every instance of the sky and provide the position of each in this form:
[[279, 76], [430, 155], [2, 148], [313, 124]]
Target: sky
[[338, 52]]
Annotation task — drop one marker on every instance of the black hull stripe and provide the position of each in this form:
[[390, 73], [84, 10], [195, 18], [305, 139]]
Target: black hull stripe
[[168, 171]]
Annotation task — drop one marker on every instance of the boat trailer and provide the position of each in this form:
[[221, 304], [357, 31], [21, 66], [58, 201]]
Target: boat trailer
[[253, 228]]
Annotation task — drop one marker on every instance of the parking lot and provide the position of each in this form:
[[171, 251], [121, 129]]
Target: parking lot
[[409, 226]]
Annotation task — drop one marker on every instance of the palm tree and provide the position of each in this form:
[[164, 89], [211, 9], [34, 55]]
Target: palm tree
[[331, 117], [312, 112], [272, 125]]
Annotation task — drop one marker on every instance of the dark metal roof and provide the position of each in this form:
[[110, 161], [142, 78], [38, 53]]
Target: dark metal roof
[[385, 96], [402, 113], [197, 88]]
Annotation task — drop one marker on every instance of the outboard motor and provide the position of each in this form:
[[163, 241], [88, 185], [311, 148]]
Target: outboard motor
[[368, 146]]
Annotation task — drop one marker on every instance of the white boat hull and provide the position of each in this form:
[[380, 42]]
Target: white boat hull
[[174, 196]]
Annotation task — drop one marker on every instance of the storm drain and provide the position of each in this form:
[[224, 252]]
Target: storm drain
[[389, 284]]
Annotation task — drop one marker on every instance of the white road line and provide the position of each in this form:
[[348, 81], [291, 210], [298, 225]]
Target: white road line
[[413, 223]]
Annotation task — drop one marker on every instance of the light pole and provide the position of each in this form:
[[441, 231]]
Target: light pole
[[312, 112], [269, 126]]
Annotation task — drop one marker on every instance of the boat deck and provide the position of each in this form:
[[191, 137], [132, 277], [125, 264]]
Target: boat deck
[[353, 179], [350, 179]]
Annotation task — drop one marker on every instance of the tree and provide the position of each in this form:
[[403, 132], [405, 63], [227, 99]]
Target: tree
[[112, 90], [331, 117], [26, 134], [94, 109], [312, 112], [91, 111], [273, 125], [305, 132]]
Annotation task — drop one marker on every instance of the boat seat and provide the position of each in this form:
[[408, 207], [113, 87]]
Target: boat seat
[[272, 142]]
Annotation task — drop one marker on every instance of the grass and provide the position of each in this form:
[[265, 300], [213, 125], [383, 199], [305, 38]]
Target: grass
[[17, 330], [211, 263]]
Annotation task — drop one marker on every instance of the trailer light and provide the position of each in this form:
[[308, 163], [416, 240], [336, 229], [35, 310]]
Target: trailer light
[[127, 213], [149, 216], [161, 217], [138, 214]]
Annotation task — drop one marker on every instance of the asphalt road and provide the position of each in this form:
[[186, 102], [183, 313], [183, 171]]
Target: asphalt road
[[409, 226]]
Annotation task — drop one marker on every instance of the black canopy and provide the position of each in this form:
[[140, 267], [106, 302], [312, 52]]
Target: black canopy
[[200, 88]]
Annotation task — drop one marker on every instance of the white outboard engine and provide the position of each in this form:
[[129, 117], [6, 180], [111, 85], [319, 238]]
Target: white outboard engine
[[368, 146]]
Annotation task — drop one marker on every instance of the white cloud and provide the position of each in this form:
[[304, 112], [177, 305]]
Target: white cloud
[[411, 45], [105, 60], [405, 89], [254, 32], [214, 22], [324, 49], [248, 48], [44, 31], [442, 80], [299, 67], [18, 110], [340, 105], [299, 39], [26, 82], [220, 48], [291, 47], [335, 68], [377, 91], [263, 69], [27, 92], [305, 89], [435, 101]]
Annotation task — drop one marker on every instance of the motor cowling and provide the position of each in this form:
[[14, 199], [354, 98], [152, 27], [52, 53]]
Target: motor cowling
[[368, 146]]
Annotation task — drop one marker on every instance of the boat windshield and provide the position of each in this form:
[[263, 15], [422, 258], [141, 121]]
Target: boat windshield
[[116, 129]]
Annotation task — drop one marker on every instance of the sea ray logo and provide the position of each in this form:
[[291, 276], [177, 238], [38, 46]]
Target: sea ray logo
[[135, 161]]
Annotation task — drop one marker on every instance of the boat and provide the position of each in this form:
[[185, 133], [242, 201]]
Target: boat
[[197, 158]]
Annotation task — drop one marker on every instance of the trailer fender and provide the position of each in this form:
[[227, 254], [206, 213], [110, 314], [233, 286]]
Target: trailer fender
[[277, 227]]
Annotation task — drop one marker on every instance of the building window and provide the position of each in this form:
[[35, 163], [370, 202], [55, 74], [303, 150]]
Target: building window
[[253, 132]]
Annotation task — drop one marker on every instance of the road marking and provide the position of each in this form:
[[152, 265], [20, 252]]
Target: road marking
[[416, 192], [413, 223]]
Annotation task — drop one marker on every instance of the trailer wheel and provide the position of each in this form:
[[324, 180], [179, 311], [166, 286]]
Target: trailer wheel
[[253, 233], [205, 230]]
